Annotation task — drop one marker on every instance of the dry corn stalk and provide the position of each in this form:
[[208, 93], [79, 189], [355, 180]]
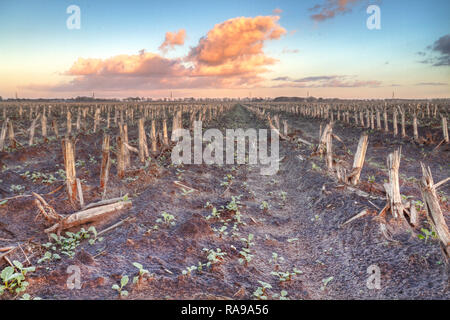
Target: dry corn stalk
[[358, 161], [69, 164], [393, 187], [143, 148], [434, 211], [104, 171], [88, 215], [3, 134], [121, 150]]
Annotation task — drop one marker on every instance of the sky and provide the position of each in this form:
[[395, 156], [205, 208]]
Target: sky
[[233, 48]]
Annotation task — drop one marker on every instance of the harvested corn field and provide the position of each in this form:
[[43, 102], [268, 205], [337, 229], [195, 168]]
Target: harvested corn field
[[85, 200]]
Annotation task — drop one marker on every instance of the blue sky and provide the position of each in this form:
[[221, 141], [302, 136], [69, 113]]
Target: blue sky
[[37, 50]]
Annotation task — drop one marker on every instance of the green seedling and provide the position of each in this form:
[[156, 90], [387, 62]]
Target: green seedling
[[282, 296], [130, 179], [188, 270], [238, 218], [276, 259], [62, 174], [426, 234], [123, 282], [261, 292], [419, 204], [315, 166], [227, 180], [234, 204], [325, 282], [208, 205], [443, 196], [154, 228], [222, 231], [35, 176], [264, 206], [246, 256], [26, 296], [17, 188], [286, 276], [214, 257], [406, 197], [167, 219], [200, 266], [215, 214], [248, 241], [142, 272], [80, 163], [67, 245], [94, 233], [92, 159], [13, 278], [48, 256]]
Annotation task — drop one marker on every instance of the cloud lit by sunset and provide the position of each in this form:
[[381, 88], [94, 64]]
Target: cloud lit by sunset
[[235, 47], [173, 39]]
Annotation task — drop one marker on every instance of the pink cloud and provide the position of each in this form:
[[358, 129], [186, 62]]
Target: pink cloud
[[142, 64], [277, 11], [230, 55], [235, 47], [173, 39], [331, 8]]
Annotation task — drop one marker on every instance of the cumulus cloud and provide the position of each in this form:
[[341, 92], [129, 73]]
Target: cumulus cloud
[[122, 72], [173, 39], [331, 8], [139, 65], [235, 47], [230, 55], [342, 81]]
